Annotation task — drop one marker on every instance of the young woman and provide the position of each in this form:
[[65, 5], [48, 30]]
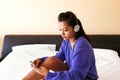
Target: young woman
[[75, 50]]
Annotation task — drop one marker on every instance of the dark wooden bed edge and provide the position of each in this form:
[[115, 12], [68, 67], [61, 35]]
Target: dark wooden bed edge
[[97, 41]]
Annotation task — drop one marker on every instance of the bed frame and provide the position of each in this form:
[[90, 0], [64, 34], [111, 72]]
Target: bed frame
[[97, 41]]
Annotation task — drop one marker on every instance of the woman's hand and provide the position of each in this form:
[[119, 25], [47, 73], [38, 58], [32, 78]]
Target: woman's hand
[[37, 62], [41, 71]]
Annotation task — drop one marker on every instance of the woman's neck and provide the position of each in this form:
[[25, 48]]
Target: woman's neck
[[72, 42]]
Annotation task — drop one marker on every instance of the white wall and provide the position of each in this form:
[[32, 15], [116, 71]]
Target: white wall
[[40, 16]]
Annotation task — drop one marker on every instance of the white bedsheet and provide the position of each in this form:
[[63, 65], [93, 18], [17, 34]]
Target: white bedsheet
[[14, 68], [109, 72], [16, 65]]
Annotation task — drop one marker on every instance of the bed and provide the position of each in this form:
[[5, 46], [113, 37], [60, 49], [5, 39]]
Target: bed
[[18, 50]]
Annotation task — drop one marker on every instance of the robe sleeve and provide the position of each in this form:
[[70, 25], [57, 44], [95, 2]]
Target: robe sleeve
[[60, 54]]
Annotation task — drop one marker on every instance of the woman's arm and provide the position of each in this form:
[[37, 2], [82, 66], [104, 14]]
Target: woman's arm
[[81, 63], [60, 54], [39, 61]]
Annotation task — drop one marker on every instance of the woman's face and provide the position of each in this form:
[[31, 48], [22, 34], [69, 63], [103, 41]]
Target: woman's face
[[67, 31]]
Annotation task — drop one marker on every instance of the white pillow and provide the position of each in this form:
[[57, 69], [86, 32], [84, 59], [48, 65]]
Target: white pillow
[[33, 51], [105, 56], [51, 47]]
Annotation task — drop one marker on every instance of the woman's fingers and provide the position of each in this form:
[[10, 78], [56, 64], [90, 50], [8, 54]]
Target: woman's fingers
[[33, 65], [41, 71], [37, 62]]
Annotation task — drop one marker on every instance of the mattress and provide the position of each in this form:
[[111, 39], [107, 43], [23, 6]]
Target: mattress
[[16, 65], [109, 72]]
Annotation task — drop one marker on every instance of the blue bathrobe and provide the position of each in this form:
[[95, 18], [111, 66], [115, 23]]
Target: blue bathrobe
[[80, 60]]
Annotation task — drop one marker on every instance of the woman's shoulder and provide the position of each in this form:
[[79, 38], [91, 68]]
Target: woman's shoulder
[[81, 41]]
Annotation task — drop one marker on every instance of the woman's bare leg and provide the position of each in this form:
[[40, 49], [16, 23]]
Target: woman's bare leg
[[53, 63]]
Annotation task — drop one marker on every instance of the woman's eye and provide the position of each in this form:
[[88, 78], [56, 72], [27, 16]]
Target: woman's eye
[[60, 29]]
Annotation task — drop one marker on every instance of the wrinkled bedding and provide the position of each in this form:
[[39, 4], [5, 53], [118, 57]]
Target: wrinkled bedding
[[16, 65]]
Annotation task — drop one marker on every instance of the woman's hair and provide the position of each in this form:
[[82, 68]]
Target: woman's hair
[[72, 20]]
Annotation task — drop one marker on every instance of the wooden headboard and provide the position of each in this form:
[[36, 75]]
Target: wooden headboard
[[97, 41]]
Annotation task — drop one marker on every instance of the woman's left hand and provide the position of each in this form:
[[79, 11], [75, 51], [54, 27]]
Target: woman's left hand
[[41, 71]]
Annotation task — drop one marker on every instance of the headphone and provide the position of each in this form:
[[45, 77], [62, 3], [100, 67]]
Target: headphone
[[76, 27]]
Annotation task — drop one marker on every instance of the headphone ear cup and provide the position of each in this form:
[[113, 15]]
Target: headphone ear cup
[[76, 28]]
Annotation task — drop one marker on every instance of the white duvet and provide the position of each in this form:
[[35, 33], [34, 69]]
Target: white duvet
[[16, 65]]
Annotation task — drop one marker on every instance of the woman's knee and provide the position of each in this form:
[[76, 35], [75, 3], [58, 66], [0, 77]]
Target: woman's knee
[[52, 59]]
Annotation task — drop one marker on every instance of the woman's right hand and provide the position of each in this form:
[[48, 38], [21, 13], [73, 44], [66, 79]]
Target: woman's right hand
[[37, 62]]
